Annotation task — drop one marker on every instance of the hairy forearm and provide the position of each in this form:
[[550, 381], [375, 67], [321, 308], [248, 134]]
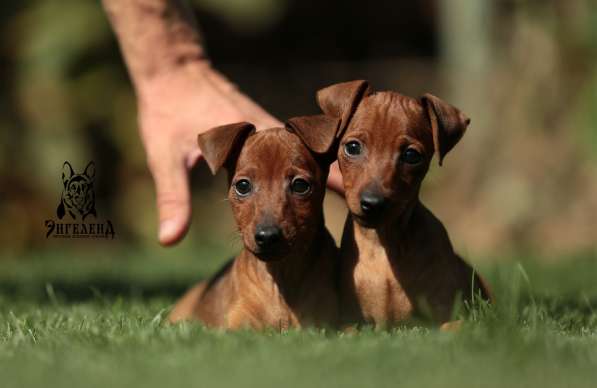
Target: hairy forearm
[[156, 37]]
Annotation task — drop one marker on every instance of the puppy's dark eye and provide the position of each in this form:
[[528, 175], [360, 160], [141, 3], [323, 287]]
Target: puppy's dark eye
[[353, 148], [243, 187], [411, 156], [300, 186]]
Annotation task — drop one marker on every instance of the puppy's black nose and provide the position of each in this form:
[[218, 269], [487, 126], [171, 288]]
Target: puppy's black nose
[[372, 203], [267, 235]]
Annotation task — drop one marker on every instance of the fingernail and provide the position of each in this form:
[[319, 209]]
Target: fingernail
[[168, 230]]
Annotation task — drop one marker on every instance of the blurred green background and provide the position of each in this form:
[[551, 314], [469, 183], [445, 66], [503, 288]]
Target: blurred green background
[[518, 194], [523, 179]]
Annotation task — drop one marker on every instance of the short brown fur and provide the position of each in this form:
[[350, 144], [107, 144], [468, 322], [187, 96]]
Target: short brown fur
[[401, 264], [293, 286]]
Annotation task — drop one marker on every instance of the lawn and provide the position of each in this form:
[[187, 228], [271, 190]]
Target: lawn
[[71, 323]]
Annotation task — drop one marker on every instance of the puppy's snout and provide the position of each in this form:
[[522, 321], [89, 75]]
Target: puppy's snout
[[372, 203], [267, 236]]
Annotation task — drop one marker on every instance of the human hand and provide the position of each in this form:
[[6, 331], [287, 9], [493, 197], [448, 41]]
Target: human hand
[[179, 96]]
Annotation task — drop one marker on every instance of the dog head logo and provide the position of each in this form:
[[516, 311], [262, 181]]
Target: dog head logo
[[78, 198]]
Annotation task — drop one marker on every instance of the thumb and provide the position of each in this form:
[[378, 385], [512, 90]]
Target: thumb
[[173, 199]]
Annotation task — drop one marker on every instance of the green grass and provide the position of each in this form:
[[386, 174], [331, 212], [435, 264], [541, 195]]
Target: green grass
[[69, 323]]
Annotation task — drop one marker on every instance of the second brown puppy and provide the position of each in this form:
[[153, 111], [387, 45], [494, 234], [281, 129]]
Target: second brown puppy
[[285, 275], [397, 261]]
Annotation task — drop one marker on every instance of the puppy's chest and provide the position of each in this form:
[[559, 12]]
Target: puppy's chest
[[279, 314], [265, 308], [380, 295]]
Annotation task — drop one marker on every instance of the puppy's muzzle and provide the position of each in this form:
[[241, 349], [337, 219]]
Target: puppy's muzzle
[[373, 206], [267, 236], [269, 240], [372, 203]]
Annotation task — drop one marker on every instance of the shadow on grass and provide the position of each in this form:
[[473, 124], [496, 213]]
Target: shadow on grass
[[560, 290], [99, 287], [107, 288]]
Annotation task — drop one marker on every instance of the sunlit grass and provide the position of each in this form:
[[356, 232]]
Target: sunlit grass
[[64, 323]]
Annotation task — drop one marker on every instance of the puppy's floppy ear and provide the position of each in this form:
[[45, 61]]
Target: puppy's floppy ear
[[341, 100], [448, 124], [221, 144], [317, 132]]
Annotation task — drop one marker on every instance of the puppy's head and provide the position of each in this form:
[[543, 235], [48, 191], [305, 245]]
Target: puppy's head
[[386, 142], [276, 184]]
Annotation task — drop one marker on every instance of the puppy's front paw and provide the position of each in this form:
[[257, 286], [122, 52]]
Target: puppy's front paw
[[451, 327]]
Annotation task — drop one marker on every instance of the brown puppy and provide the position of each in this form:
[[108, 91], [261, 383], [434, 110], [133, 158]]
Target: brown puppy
[[284, 276], [396, 258]]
